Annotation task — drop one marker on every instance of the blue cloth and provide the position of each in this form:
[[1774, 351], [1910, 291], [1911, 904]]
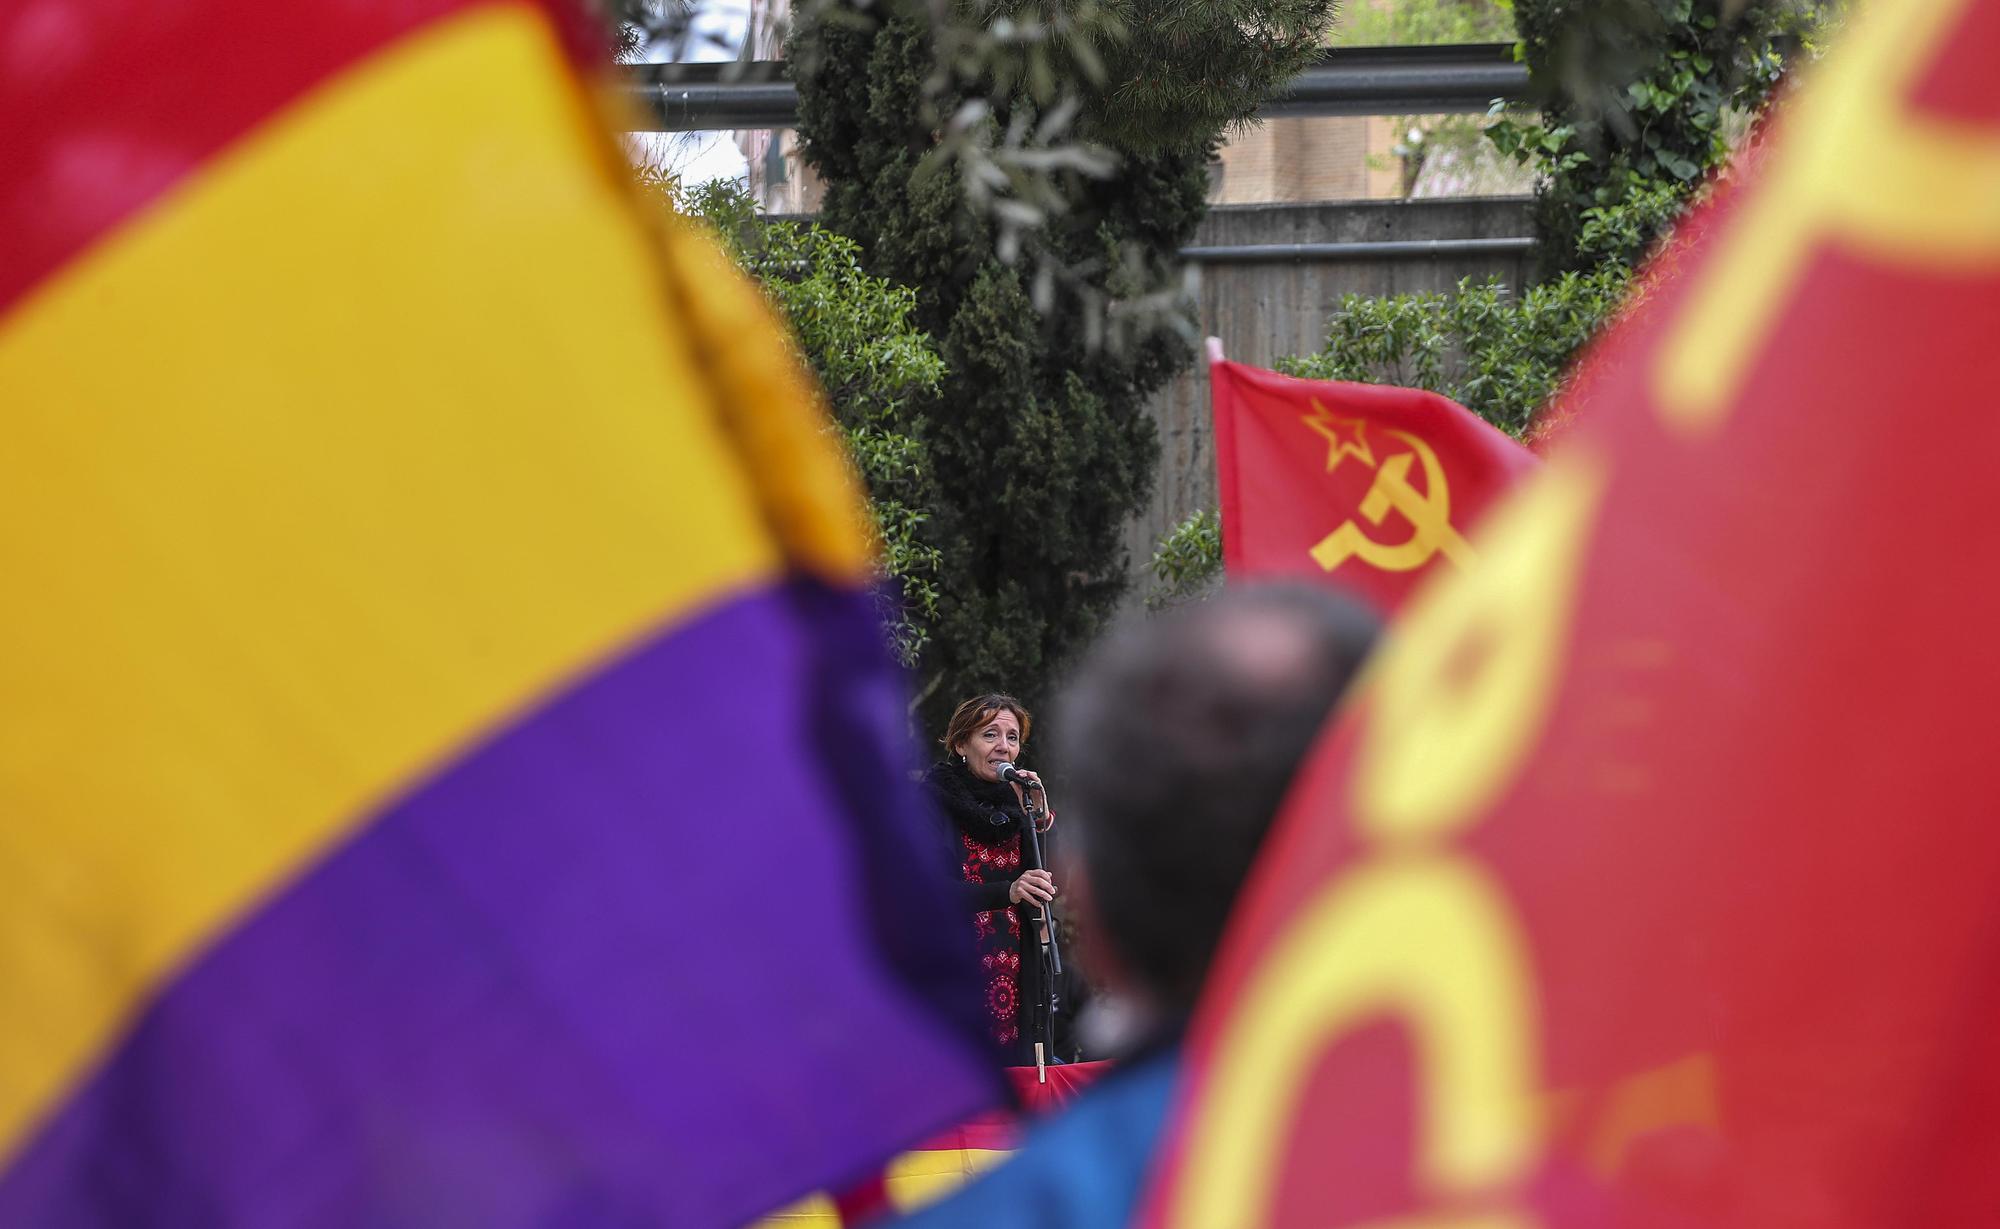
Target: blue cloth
[[1081, 1169]]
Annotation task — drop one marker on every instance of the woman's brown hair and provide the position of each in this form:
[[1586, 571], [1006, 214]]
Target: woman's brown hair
[[971, 717]]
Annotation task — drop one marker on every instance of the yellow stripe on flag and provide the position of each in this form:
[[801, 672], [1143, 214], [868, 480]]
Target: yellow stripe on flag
[[919, 1178], [772, 413], [913, 1180], [234, 508]]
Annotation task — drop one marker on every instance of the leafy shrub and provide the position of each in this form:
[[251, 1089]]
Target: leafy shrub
[[857, 334], [1638, 95], [1499, 355], [1187, 562]]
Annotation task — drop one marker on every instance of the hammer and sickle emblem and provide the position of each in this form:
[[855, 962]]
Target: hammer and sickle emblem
[[1428, 511]]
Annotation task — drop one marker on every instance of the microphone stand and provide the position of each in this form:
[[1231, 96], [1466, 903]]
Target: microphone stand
[[1050, 948]]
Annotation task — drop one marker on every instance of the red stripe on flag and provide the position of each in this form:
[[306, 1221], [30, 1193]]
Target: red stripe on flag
[[112, 103]]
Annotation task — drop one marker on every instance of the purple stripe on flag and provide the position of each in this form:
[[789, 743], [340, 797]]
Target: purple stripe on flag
[[671, 950]]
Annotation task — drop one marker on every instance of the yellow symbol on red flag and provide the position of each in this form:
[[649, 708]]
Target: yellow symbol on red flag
[[1928, 202], [1417, 930], [1345, 437], [1428, 511]]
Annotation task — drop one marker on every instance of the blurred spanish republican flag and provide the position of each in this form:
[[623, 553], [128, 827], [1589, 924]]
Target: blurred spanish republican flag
[[448, 765], [1655, 881], [947, 1160]]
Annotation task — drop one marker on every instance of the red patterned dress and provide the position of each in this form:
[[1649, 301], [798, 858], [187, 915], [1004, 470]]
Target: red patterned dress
[[997, 863], [986, 823]]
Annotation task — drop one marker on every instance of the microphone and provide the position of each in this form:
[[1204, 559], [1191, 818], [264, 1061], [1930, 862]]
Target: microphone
[[1014, 776]]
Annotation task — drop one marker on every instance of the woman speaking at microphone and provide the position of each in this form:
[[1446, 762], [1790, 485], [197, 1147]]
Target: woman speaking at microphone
[[1005, 891]]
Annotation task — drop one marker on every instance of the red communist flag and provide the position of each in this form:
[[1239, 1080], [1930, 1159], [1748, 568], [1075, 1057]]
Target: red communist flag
[[1365, 486], [1654, 880]]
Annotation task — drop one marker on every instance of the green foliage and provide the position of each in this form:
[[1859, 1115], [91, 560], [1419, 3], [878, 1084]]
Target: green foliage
[[1619, 156], [1038, 437], [858, 335], [1149, 75], [855, 330], [1421, 23], [1187, 562], [1186, 70], [632, 24], [1622, 234], [1424, 23], [1010, 104], [1637, 97], [1500, 356]]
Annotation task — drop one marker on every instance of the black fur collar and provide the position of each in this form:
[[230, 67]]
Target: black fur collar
[[983, 810]]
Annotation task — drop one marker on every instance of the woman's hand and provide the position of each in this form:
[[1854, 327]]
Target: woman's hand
[[1047, 819], [1036, 886]]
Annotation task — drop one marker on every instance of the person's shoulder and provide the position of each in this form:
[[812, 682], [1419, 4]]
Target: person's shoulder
[[1083, 1168], [936, 782]]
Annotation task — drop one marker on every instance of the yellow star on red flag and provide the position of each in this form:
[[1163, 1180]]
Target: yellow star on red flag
[[1344, 436]]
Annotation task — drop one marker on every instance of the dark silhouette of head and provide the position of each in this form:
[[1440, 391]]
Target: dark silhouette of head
[[1181, 733]]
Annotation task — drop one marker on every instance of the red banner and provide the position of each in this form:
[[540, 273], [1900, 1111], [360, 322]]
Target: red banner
[[1365, 486], [1655, 879]]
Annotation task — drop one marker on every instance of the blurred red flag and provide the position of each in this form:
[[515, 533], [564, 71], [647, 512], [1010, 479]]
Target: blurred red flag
[[1655, 878], [1366, 486]]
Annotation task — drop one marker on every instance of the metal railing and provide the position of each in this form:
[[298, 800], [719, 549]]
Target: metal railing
[[1360, 249], [1346, 81]]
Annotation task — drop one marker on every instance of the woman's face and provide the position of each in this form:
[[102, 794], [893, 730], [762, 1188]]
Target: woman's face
[[995, 743]]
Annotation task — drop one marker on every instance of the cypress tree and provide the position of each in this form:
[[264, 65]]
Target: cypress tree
[[1038, 438]]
